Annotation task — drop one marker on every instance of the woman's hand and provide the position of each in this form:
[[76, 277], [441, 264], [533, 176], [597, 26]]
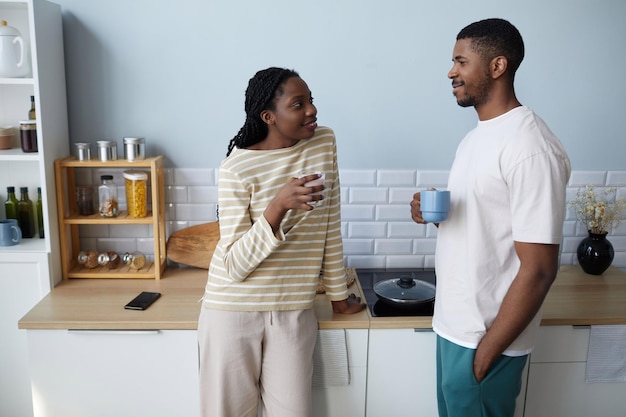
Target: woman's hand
[[350, 305], [292, 195]]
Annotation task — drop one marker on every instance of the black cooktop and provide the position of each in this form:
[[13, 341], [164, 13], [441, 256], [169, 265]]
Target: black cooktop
[[368, 277]]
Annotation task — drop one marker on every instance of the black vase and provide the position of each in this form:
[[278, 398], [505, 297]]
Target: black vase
[[595, 253]]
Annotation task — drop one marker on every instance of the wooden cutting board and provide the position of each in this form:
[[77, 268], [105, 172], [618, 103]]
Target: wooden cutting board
[[194, 245]]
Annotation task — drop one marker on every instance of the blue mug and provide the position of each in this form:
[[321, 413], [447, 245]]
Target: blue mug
[[10, 232], [435, 205]]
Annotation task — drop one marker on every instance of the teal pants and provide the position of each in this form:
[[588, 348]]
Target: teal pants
[[460, 395]]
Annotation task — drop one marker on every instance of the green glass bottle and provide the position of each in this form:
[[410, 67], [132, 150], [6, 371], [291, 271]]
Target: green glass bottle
[[25, 214], [32, 114], [10, 205], [39, 209]]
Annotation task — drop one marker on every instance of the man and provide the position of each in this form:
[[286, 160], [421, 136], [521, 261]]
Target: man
[[497, 254]]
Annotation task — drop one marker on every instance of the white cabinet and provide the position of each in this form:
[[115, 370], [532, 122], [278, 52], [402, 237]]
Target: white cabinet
[[556, 381], [20, 288], [114, 373], [30, 269], [348, 400], [402, 375], [39, 22]]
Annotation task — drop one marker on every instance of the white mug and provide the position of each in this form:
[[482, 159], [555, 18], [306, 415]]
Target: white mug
[[319, 181]]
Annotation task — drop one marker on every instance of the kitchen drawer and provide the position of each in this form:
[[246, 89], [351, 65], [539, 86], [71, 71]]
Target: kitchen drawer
[[561, 344], [105, 373]]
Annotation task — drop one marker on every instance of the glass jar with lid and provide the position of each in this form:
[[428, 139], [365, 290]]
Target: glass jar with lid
[[88, 259], [83, 151], [107, 197], [109, 259], [136, 192], [135, 260], [134, 148], [85, 201], [28, 135], [107, 150]]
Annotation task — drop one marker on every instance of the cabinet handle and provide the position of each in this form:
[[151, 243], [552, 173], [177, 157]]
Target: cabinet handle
[[116, 332], [423, 330], [581, 326]]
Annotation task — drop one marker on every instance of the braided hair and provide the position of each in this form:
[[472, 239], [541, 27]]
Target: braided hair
[[262, 89]]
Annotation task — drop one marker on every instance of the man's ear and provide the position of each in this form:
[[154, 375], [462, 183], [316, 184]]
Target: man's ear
[[268, 117], [498, 66]]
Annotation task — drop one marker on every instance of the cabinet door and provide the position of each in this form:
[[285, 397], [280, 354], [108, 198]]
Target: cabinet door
[[349, 400], [23, 282], [402, 375], [559, 390], [110, 373], [556, 381]]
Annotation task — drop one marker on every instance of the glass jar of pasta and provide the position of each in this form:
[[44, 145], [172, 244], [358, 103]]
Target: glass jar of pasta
[[136, 192]]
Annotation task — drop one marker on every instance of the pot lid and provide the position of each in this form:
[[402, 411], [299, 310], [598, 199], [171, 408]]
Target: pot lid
[[405, 289], [6, 30]]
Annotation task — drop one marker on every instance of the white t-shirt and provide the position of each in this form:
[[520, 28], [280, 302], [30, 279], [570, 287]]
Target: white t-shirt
[[507, 183]]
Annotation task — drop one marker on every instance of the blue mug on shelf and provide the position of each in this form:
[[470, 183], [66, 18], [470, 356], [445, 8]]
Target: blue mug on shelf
[[10, 232]]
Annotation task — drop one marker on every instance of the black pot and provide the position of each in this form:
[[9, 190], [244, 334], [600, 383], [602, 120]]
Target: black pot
[[405, 292]]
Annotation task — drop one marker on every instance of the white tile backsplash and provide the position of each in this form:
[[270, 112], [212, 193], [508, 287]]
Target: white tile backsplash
[[616, 179], [376, 220], [367, 229], [358, 195], [396, 178], [582, 178]]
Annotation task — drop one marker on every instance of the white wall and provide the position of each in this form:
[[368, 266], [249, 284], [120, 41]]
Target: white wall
[[176, 71]]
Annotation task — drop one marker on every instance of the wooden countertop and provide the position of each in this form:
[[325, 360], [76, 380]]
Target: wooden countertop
[[98, 304], [575, 298]]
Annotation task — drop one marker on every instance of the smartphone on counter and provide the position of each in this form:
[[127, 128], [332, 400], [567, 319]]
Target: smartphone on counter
[[143, 300]]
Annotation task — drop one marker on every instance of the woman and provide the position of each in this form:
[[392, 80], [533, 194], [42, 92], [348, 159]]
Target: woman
[[257, 329]]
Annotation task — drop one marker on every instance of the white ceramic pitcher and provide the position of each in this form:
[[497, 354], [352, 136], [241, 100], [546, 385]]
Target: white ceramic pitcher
[[13, 52]]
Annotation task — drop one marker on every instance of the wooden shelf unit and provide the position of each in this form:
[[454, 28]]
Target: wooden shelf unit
[[70, 220]]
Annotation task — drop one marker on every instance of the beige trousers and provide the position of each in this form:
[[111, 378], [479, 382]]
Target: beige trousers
[[250, 356]]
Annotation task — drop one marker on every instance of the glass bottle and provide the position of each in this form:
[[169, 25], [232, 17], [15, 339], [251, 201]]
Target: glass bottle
[[39, 209], [84, 200], [32, 115], [135, 260], [25, 214], [107, 196], [10, 205], [89, 259], [109, 259]]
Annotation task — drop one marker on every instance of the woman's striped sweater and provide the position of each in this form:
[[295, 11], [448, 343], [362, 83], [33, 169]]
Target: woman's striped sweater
[[254, 270]]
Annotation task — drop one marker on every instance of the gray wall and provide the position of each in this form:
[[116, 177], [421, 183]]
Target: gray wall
[[175, 72]]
